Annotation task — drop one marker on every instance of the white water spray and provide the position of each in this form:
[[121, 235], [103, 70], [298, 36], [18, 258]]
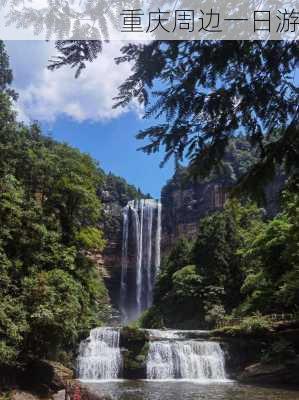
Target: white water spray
[[142, 235], [99, 355], [124, 261], [184, 359]]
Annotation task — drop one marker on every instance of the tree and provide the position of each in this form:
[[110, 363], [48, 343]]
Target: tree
[[202, 281], [178, 258], [202, 93], [49, 217], [270, 259], [6, 75], [209, 92]]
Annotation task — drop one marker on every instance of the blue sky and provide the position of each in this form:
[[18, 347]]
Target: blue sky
[[80, 113]]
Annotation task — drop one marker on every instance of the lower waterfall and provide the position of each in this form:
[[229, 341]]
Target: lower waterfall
[[186, 359], [171, 355], [99, 355]]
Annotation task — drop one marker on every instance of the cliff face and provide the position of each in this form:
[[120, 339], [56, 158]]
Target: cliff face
[[183, 208], [185, 202]]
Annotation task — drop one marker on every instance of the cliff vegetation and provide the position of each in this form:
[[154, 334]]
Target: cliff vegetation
[[52, 215]]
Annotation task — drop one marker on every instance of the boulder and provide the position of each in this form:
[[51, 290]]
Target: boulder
[[62, 374], [45, 377], [272, 373], [134, 344]]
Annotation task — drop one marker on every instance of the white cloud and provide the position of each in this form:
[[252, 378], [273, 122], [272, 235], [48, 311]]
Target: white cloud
[[44, 95]]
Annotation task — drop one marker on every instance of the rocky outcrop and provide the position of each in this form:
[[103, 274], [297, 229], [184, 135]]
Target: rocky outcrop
[[134, 343], [184, 204], [272, 373], [185, 200], [264, 356], [45, 377]]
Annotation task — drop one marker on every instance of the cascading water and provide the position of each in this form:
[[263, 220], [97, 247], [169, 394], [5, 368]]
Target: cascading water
[[99, 355], [141, 237], [172, 353], [184, 359]]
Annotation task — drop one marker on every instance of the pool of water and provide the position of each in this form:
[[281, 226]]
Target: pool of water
[[186, 390]]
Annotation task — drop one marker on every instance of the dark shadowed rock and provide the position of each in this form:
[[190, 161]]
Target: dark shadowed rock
[[45, 377], [185, 200], [262, 373], [134, 343]]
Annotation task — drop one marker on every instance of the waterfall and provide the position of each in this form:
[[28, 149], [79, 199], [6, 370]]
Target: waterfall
[[139, 241], [158, 239], [185, 359], [99, 355], [141, 238], [124, 261]]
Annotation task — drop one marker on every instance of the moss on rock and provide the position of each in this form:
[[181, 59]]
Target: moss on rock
[[135, 346]]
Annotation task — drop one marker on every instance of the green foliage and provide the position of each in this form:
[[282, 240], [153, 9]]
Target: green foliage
[[152, 318], [91, 238], [136, 342], [76, 53], [182, 297], [50, 292], [114, 193], [211, 91], [6, 75], [204, 93], [179, 256], [120, 191], [216, 251], [255, 324], [215, 314], [239, 265], [186, 282], [271, 259]]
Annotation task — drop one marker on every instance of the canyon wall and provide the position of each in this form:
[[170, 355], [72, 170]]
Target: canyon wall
[[185, 201]]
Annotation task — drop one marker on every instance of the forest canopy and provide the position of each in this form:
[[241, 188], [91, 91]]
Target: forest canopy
[[51, 218]]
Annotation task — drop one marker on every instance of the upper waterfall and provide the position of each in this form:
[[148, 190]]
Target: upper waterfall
[[140, 256]]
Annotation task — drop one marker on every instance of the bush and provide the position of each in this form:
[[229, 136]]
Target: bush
[[255, 324], [152, 319]]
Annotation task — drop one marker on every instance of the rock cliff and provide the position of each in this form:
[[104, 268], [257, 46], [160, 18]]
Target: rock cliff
[[186, 201]]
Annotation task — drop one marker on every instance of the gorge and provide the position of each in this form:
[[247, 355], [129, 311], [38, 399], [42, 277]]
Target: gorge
[[147, 227], [169, 354], [107, 293]]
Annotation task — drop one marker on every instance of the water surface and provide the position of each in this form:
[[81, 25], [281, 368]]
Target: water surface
[[186, 390]]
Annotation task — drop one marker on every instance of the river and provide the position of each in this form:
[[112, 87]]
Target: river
[[179, 390]]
